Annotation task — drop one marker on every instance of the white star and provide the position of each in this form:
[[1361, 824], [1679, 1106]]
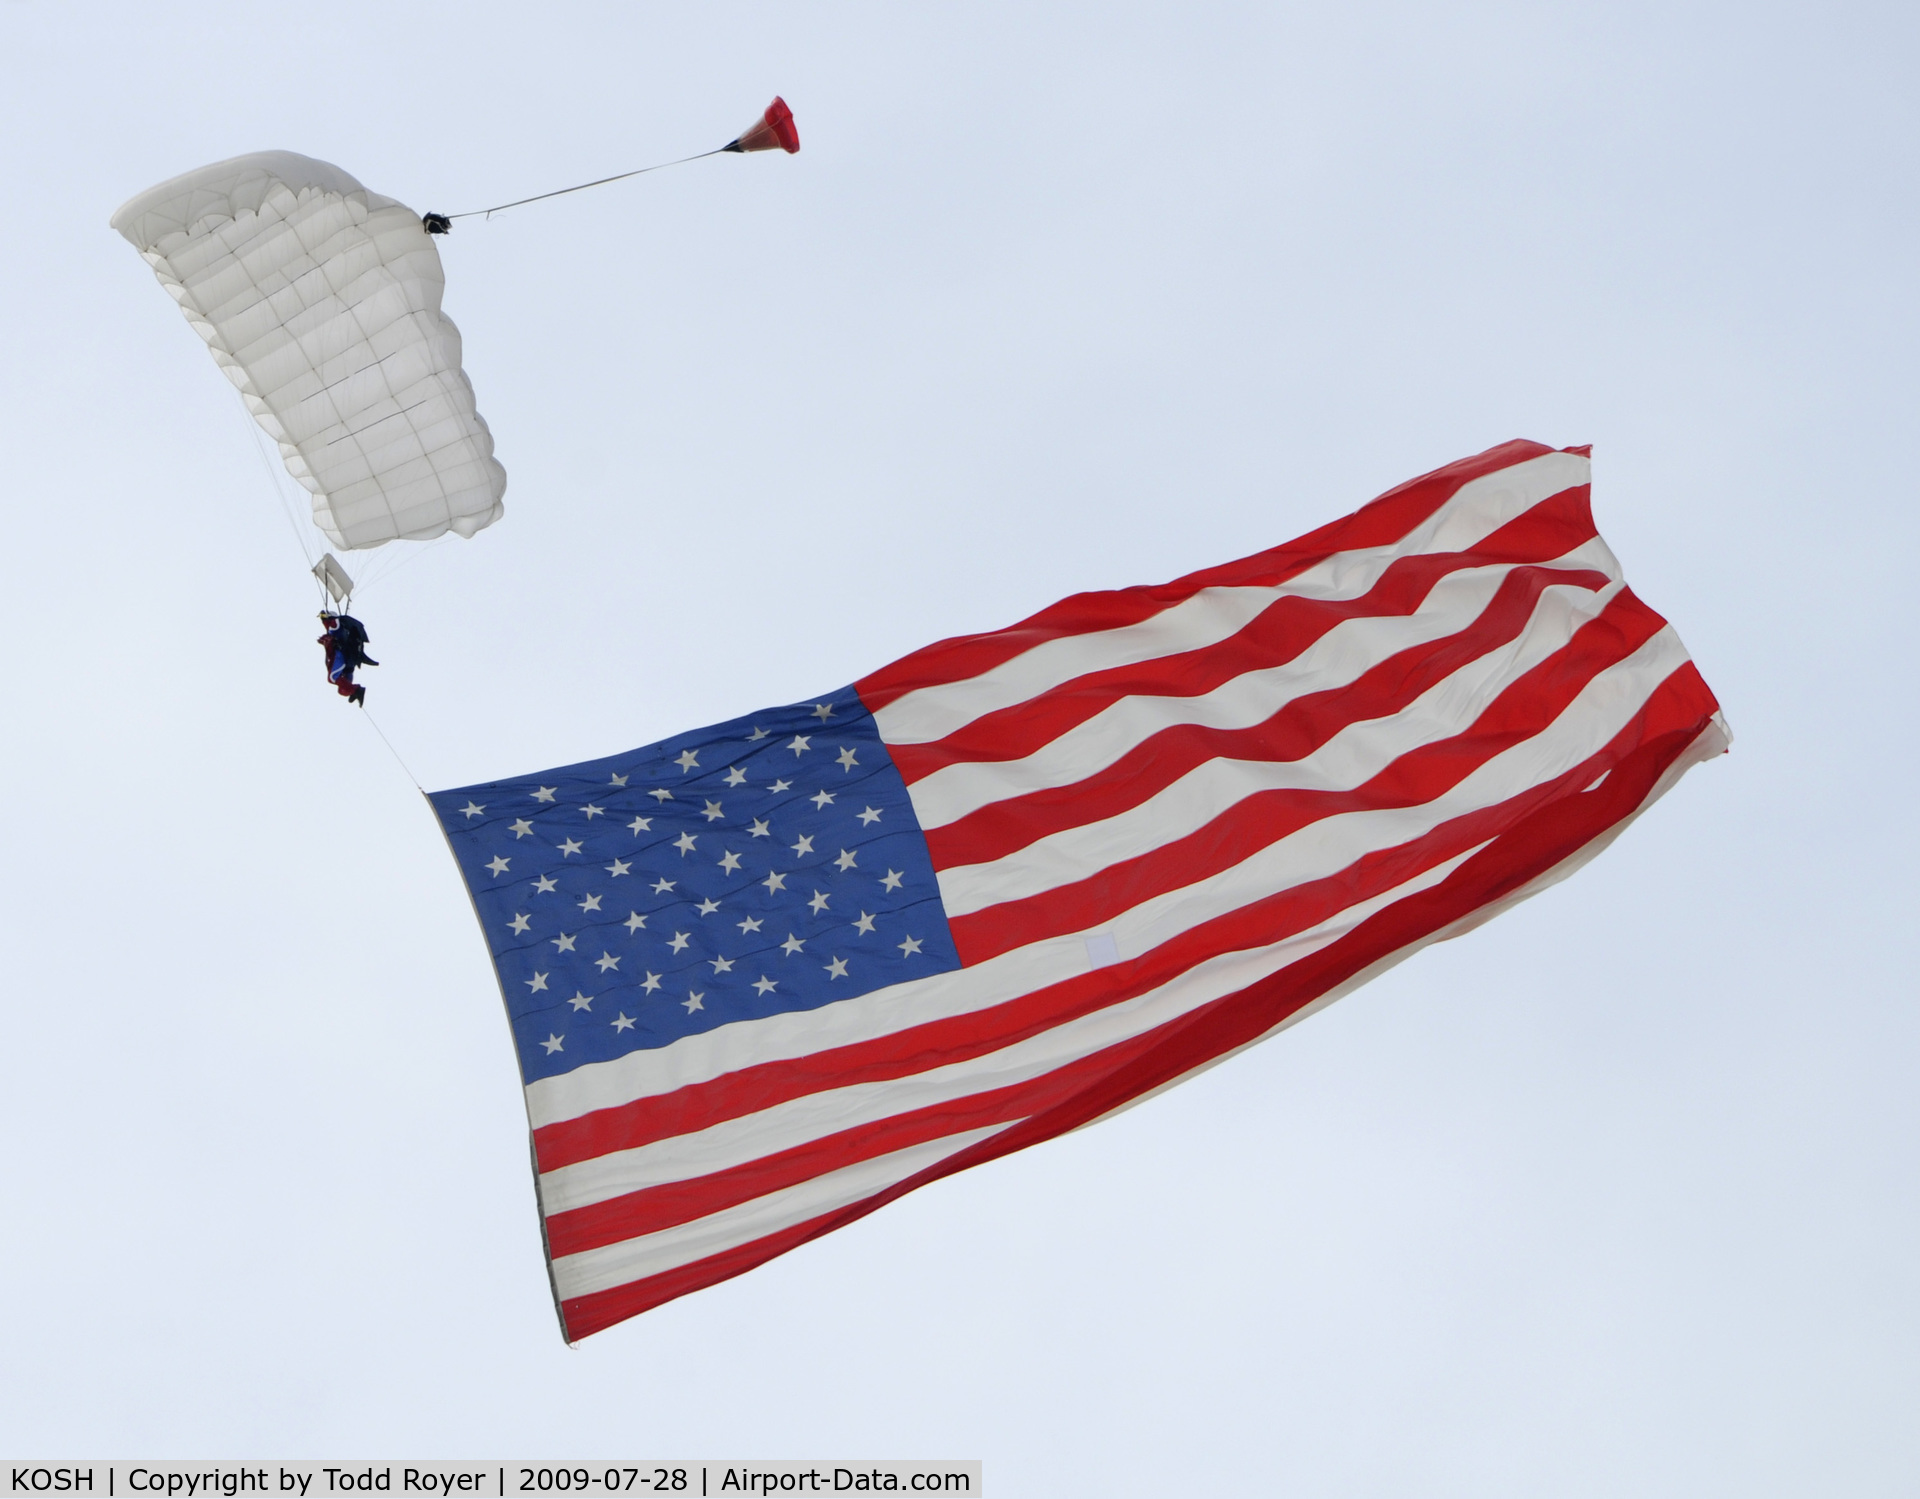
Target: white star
[[818, 903], [661, 887], [537, 983], [864, 926], [543, 884], [774, 883], [757, 734], [804, 846], [521, 828], [792, 945], [823, 799], [736, 776], [519, 924], [552, 1044], [634, 921], [591, 903], [498, 865], [618, 867], [605, 961], [616, 780], [713, 812], [545, 793], [868, 816], [910, 947], [722, 965], [765, 985], [730, 863], [650, 982], [845, 861], [751, 924], [688, 761], [640, 825], [892, 881], [837, 969], [473, 809], [823, 711], [623, 1021], [708, 907], [661, 794], [758, 827], [679, 942], [569, 846], [848, 759], [801, 744], [581, 1001], [593, 811], [781, 786], [684, 843], [563, 942], [692, 1001]]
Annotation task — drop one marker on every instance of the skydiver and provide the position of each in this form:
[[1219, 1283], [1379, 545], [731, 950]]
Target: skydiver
[[345, 647]]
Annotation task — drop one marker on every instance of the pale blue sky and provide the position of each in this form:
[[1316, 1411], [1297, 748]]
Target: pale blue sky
[[1616, 1195]]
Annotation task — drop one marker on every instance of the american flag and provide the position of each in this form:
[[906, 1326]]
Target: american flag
[[767, 976]]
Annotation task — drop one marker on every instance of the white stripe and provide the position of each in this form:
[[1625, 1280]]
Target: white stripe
[[702, 1057], [652, 1254], [814, 1116], [1712, 740], [1324, 848], [1341, 656], [1479, 508], [1352, 757]]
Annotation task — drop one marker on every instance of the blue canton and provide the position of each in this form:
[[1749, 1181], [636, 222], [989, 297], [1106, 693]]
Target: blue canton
[[758, 867]]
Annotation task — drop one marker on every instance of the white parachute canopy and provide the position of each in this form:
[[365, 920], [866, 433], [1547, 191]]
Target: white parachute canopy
[[321, 301]]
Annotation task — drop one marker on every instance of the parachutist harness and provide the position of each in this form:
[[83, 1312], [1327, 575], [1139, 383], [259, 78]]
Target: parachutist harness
[[397, 433], [345, 647]]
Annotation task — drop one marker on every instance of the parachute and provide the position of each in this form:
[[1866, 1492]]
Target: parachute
[[775, 127], [321, 303]]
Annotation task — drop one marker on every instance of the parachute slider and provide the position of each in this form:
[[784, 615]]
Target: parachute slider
[[774, 128], [333, 577]]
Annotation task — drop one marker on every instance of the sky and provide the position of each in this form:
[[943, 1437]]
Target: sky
[[1619, 1193]]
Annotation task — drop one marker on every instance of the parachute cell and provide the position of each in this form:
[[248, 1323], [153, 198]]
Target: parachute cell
[[321, 302]]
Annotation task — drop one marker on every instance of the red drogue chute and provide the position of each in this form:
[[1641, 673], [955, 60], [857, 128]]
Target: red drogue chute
[[774, 128]]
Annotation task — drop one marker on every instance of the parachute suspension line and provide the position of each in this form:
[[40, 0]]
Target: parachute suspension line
[[437, 222], [289, 508], [412, 556], [258, 443]]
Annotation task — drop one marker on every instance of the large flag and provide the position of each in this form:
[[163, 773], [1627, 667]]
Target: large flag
[[767, 976]]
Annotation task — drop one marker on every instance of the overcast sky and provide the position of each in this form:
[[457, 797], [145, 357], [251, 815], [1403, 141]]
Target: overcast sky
[[1616, 1195]]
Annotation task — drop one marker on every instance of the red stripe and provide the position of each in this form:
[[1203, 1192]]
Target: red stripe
[[1526, 706], [1277, 635], [653, 1208], [1544, 840], [959, 1038], [1294, 732], [1379, 523]]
